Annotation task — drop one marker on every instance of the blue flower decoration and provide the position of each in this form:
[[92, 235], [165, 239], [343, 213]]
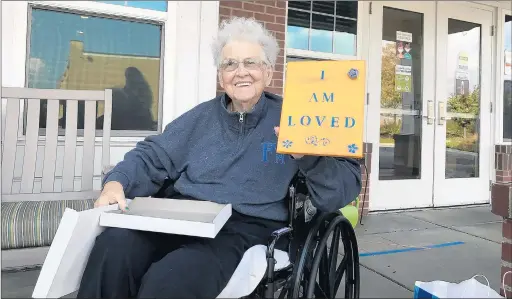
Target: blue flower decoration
[[352, 148], [287, 143], [353, 73]]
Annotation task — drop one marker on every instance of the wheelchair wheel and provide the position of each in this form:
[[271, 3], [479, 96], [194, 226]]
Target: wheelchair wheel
[[318, 273]]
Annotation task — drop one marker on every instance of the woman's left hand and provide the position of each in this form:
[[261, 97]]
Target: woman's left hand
[[295, 156]]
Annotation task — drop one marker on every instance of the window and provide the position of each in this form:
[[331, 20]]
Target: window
[[323, 26], [507, 79], [85, 52], [153, 5]]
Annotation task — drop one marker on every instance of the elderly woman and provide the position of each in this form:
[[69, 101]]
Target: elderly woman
[[212, 152]]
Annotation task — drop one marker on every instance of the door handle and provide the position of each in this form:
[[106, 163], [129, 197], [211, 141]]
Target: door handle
[[442, 113], [430, 113]]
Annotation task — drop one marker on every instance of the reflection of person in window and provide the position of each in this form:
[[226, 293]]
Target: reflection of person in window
[[131, 105]]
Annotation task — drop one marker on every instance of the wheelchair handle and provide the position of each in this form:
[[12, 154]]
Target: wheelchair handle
[[276, 235]]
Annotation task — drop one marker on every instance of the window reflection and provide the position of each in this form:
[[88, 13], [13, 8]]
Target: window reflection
[[303, 5], [323, 26], [345, 37], [507, 80], [401, 95], [321, 33], [298, 30], [463, 99], [326, 7], [346, 9], [153, 5], [72, 51]]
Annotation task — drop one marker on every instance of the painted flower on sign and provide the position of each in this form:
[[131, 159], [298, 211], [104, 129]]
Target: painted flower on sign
[[352, 148], [287, 143]]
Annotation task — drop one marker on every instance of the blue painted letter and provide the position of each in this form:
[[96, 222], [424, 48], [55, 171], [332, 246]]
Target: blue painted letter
[[335, 122], [327, 98], [319, 122], [352, 120], [307, 118], [290, 124]]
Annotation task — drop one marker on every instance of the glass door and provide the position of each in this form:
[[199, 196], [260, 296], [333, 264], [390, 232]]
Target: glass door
[[463, 140], [401, 106]]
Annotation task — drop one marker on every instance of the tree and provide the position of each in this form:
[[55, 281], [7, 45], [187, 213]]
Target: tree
[[390, 98], [468, 104]]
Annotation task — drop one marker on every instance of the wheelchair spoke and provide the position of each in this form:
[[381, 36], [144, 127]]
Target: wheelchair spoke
[[323, 272], [284, 292], [319, 292], [333, 260], [340, 271]]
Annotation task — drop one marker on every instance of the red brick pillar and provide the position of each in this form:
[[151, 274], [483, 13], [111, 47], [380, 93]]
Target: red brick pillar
[[501, 199], [273, 15], [365, 190]]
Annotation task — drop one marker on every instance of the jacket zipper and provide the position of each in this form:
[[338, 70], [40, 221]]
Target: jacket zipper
[[241, 119]]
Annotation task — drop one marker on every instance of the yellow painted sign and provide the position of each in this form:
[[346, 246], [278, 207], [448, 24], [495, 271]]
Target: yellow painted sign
[[323, 109]]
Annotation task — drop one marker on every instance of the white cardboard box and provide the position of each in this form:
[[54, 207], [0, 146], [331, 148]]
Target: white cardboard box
[[65, 262], [172, 216]]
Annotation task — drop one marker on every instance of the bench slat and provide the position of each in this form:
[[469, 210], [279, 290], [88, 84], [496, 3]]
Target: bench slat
[[88, 148], [68, 173], [9, 147], [31, 136], [50, 148], [107, 121]]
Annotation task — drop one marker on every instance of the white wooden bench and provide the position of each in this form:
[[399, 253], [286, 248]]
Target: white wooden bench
[[42, 175]]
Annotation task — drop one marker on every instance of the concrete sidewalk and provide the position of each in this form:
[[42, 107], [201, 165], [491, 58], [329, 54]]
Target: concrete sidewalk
[[453, 245], [396, 250]]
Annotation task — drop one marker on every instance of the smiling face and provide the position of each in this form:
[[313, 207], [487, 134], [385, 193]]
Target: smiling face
[[243, 73]]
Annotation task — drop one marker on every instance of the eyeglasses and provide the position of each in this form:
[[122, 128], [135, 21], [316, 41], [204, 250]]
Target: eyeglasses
[[250, 64]]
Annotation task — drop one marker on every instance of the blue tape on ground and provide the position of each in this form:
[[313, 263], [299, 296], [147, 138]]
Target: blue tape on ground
[[410, 249]]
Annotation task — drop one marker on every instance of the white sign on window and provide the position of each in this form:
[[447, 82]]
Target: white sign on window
[[404, 36]]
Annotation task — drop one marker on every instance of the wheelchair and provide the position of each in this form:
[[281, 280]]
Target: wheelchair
[[309, 269]]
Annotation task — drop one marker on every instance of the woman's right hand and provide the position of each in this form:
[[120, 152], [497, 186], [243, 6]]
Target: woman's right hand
[[112, 193]]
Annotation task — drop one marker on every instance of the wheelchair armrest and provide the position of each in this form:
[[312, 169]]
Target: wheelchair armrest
[[274, 237]]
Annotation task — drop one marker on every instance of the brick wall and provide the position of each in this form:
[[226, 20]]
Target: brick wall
[[364, 195], [273, 15], [501, 199]]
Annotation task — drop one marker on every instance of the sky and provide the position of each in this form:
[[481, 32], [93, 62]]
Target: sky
[[321, 40], [154, 5]]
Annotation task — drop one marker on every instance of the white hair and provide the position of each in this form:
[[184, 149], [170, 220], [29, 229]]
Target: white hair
[[244, 29]]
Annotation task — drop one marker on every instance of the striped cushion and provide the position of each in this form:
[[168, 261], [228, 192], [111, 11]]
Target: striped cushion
[[34, 223]]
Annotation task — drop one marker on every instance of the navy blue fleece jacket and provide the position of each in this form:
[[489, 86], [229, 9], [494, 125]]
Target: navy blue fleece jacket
[[213, 154]]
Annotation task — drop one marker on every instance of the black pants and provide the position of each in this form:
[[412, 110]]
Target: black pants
[[127, 263]]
